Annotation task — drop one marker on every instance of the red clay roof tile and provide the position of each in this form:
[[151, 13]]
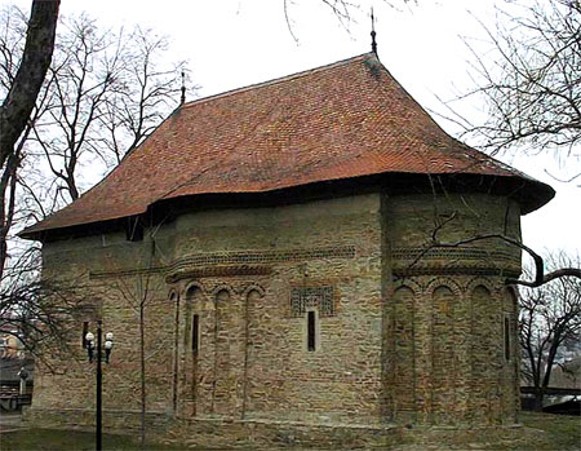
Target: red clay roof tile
[[344, 120]]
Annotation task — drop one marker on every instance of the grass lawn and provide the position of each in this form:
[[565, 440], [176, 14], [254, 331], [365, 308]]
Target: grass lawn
[[551, 432], [560, 432], [50, 439]]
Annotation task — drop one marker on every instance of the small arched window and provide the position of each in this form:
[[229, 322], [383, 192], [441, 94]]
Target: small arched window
[[193, 297]]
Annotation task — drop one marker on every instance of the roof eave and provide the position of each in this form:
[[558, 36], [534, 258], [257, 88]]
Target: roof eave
[[529, 193]]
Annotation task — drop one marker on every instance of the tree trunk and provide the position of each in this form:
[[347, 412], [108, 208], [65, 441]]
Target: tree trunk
[[19, 103], [142, 361], [539, 396], [7, 202]]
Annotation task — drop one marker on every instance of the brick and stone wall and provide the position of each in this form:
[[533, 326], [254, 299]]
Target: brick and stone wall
[[402, 333], [448, 360]]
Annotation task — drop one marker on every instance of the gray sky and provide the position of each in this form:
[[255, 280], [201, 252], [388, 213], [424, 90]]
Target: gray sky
[[234, 43]]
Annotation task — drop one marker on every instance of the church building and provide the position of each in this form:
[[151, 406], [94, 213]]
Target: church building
[[307, 260]]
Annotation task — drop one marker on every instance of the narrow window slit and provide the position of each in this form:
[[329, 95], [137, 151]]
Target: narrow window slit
[[311, 331], [195, 333]]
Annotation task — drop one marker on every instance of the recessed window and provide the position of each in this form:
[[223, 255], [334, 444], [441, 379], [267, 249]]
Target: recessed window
[[311, 330]]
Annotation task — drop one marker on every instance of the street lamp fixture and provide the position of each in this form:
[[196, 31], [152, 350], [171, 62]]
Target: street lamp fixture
[[108, 346], [95, 352]]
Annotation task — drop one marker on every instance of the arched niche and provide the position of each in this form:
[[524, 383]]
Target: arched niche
[[193, 292], [484, 353], [253, 288], [173, 296], [480, 296], [404, 349], [221, 296], [509, 323], [192, 317], [444, 285], [443, 304], [444, 372], [252, 296]]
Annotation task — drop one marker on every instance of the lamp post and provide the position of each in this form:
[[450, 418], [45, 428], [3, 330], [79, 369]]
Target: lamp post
[[91, 347]]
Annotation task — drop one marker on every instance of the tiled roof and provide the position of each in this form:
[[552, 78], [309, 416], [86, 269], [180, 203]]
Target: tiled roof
[[344, 120]]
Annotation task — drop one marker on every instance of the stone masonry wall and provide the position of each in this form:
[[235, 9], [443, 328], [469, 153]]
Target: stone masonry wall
[[252, 359], [334, 312], [97, 269], [250, 277]]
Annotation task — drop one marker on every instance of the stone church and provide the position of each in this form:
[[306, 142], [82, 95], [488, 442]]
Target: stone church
[[306, 255]]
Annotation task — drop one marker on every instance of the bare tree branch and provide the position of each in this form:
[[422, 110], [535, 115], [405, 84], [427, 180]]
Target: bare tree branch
[[540, 277], [533, 85]]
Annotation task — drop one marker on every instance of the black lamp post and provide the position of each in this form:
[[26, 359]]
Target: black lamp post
[[90, 345]]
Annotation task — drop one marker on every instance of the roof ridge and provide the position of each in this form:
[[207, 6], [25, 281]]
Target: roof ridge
[[282, 79]]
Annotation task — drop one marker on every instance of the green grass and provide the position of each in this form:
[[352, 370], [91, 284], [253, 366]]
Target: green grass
[[541, 432], [50, 439], [559, 432]]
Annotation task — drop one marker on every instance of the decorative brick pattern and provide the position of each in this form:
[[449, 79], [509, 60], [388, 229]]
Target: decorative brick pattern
[[417, 261], [277, 256], [319, 297], [100, 274], [218, 271], [450, 253]]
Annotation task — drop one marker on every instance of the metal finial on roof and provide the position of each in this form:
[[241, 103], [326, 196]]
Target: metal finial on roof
[[373, 34], [183, 99]]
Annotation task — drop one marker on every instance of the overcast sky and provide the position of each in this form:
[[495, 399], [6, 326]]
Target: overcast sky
[[234, 43]]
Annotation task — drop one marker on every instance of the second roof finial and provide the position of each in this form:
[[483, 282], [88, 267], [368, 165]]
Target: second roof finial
[[183, 98], [373, 34]]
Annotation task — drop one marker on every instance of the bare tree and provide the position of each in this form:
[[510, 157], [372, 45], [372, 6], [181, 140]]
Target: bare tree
[[20, 100], [105, 92], [549, 321], [145, 91], [41, 315], [139, 292], [532, 81]]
